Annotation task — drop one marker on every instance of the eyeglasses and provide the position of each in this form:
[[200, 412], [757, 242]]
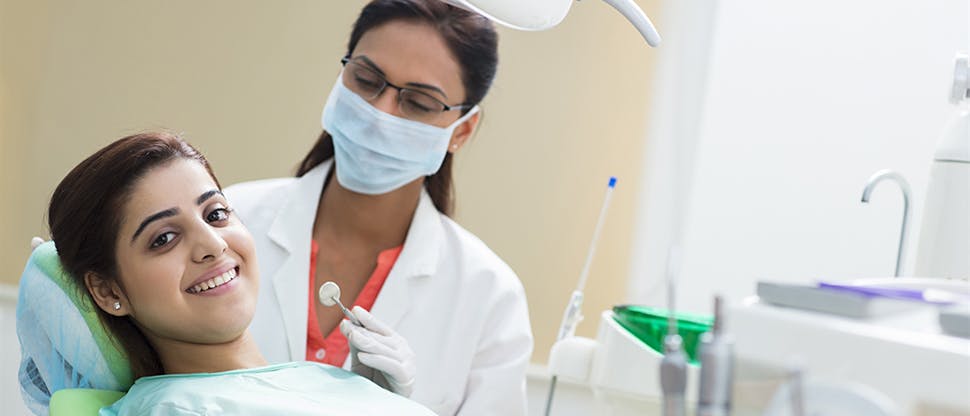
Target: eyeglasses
[[413, 104]]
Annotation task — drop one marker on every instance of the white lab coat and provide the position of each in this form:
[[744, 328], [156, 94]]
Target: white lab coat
[[461, 308]]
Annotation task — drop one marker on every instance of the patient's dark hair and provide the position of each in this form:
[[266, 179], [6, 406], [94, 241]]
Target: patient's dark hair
[[470, 38], [85, 215]]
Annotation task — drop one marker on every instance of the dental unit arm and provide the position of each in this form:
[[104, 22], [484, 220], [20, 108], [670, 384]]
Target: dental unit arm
[[638, 18]]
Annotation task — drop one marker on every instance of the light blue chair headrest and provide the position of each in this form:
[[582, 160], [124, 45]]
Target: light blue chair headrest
[[63, 344]]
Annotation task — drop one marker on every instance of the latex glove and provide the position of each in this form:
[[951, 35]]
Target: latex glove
[[379, 354], [36, 241]]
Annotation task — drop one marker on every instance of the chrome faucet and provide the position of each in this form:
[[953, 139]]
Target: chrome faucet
[[904, 186]]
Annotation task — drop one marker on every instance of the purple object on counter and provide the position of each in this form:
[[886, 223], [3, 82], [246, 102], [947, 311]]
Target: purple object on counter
[[895, 293]]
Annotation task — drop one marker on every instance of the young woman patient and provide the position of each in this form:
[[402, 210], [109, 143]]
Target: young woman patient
[[142, 225]]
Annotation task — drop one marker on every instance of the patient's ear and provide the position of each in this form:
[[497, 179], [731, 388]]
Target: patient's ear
[[107, 294]]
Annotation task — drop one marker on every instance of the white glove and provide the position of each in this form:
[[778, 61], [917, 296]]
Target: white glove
[[36, 241], [379, 354]]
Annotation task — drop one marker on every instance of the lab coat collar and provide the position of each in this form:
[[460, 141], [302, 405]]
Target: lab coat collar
[[293, 224], [421, 251], [418, 260]]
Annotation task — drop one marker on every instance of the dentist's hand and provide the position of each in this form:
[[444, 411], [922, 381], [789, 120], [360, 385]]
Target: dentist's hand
[[380, 354]]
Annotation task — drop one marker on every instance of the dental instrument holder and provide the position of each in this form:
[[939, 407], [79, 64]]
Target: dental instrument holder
[[570, 319], [904, 187], [572, 316], [717, 367]]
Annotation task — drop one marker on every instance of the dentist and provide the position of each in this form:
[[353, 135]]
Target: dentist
[[445, 320]]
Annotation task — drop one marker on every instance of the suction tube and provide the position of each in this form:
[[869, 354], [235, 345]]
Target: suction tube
[[573, 313]]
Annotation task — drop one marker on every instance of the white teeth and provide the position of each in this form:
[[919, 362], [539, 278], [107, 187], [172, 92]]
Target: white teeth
[[214, 282]]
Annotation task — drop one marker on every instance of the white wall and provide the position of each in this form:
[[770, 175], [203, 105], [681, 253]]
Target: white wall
[[805, 101]]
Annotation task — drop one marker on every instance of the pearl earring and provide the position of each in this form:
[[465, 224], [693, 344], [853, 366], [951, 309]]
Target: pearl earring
[[454, 146], [117, 306]]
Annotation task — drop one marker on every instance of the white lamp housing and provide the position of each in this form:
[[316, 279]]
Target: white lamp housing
[[519, 14], [544, 14]]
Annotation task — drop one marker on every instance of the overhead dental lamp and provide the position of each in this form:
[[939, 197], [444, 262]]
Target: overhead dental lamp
[[544, 14]]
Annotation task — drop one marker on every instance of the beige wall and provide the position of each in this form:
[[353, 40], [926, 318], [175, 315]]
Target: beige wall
[[246, 82]]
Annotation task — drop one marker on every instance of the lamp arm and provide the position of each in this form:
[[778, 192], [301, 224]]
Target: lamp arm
[[638, 18]]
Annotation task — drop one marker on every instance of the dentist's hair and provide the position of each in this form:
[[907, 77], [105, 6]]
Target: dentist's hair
[[471, 39], [85, 214]]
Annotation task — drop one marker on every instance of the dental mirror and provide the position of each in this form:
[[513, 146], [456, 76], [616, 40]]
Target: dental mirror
[[329, 295]]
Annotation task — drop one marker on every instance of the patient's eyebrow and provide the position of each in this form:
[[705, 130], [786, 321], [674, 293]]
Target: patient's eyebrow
[[171, 212], [208, 194]]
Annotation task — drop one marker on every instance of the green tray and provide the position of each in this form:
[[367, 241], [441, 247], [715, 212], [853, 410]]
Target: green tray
[[650, 326]]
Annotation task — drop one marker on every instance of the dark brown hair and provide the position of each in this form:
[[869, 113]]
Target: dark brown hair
[[470, 37], [85, 214]]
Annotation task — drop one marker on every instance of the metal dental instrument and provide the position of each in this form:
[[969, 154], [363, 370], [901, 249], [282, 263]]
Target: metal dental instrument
[[673, 366], [573, 313], [329, 295], [717, 367], [903, 186]]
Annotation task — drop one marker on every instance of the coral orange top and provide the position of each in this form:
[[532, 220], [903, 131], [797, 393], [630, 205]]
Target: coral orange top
[[333, 348]]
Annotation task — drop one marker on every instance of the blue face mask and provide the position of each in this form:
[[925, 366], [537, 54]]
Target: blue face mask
[[376, 152]]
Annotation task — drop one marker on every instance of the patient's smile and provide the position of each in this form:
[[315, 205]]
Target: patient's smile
[[215, 282]]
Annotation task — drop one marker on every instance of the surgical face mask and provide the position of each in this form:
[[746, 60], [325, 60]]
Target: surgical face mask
[[376, 152]]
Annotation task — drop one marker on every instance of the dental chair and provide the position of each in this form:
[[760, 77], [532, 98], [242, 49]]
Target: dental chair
[[68, 402], [69, 364]]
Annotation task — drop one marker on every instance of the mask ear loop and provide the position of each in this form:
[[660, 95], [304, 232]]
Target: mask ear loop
[[464, 118]]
